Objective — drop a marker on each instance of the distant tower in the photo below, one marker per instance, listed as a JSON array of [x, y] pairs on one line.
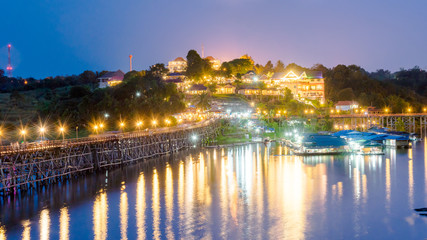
[[9, 64], [203, 51], [130, 62]]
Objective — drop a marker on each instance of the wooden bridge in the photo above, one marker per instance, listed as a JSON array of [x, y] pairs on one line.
[[410, 122], [34, 165]]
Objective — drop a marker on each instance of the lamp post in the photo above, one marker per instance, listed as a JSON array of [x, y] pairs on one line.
[[77, 131], [62, 131], [23, 133]]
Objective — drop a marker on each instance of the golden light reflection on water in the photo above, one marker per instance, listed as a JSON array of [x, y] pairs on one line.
[[124, 208], [410, 183], [26, 224], [100, 216], [2, 232], [387, 184], [64, 224], [242, 193], [44, 223], [169, 201], [156, 206], [140, 207]]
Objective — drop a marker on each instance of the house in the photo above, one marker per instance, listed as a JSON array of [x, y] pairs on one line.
[[249, 91], [111, 79], [227, 89], [177, 65], [180, 85], [197, 89], [175, 75], [346, 105], [270, 92], [216, 63], [303, 84]]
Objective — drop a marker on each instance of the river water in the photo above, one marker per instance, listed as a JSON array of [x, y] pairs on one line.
[[246, 192]]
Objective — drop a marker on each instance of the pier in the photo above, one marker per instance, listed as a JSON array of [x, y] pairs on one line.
[[412, 122], [37, 164]]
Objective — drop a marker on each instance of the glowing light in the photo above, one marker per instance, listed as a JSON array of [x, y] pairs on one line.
[[154, 122], [42, 130], [194, 137], [23, 132], [409, 109]]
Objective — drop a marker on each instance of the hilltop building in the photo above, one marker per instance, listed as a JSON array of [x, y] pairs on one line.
[[111, 79], [177, 65], [304, 85], [216, 63]]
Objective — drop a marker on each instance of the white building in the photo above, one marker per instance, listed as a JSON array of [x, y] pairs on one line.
[[111, 79], [177, 65]]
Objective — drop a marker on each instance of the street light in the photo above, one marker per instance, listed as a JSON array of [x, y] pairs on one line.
[[409, 109], [167, 121], [122, 125], [23, 133], [42, 130], [96, 128], [138, 124], [154, 122], [62, 131]]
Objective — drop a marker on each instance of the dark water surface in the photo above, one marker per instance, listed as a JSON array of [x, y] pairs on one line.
[[247, 192]]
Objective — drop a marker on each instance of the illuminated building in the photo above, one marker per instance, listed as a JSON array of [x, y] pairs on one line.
[[303, 85], [177, 65], [346, 105], [111, 79], [216, 63], [227, 89], [197, 89]]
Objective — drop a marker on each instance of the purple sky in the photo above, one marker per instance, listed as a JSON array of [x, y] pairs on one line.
[[57, 37]]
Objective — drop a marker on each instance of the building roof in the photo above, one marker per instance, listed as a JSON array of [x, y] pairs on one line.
[[175, 80], [179, 59], [304, 74], [198, 87], [176, 74], [113, 76], [346, 103]]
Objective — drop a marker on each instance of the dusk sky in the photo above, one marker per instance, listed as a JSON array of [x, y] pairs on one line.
[[57, 37]]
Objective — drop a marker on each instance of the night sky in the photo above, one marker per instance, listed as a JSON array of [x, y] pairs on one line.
[[64, 37]]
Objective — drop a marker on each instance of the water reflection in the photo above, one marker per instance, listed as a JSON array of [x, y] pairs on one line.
[[44, 224], [64, 221], [26, 232], [247, 192], [100, 216], [140, 207], [123, 213], [2, 232]]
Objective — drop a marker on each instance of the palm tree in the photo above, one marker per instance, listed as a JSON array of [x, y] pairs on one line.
[[204, 101]]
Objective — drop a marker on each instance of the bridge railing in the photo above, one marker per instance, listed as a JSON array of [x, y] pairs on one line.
[[379, 115], [99, 138]]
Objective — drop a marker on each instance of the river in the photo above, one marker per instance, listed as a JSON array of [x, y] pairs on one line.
[[245, 192]]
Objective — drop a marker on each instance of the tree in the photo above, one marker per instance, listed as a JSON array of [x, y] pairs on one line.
[[268, 68], [346, 94], [158, 70], [1, 72], [212, 88], [280, 67], [79, 92], [204, 101], [239, 66], [197, 68]]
